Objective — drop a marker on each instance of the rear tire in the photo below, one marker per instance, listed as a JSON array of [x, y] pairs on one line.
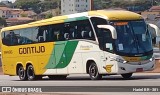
[[30, 73], [22, 73], [127, 76], [93, 72]]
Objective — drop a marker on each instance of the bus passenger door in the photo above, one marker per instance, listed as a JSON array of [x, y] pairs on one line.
[[105, 44]]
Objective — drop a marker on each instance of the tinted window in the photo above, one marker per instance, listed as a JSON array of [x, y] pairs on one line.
[[49, 33], [104, 36], [20, 37], [98, 21], [79, 30]]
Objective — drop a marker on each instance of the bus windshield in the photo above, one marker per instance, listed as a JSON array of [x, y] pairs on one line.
[[133, 38]]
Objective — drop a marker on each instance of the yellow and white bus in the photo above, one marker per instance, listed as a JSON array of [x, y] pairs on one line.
[[96, 43]]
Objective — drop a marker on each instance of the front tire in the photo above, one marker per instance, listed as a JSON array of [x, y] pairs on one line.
[[127, 76], [93, 72], [22, 73]]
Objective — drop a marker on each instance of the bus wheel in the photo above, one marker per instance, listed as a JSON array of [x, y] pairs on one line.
[[127, 76], [93, 72], [57, 77], [22, 73], [30, 73]]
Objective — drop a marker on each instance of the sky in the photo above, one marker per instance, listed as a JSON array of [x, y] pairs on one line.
[[8, 0], [12, 0]]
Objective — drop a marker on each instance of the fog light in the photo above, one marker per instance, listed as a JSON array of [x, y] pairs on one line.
[[122, 68]]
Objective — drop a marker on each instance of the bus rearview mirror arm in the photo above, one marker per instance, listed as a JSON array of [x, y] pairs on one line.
[[154, 30], [111, 28]]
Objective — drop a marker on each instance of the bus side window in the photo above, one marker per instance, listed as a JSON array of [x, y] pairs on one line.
[[72, 32], [78, 34], [49, 34], [57, 32], [98, 21], [12, 38], [56, 35], [66, 31], [40, 34], [6, 38], [85, 30], [26, 36], [45, 33], [87, 33], [84, 33]]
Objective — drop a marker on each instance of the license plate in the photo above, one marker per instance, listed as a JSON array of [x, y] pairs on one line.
[[139, 69]]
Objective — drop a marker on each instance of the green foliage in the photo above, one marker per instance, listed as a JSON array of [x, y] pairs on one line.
[[23, 15], [27, 4], [3, 22], [48, 4], [40, 6], [102, 4], [49, 15], [37, 5]]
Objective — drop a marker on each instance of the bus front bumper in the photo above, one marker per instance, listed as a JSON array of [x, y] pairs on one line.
[[123, 68]]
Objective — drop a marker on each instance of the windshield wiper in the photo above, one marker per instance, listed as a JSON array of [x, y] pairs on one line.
[[135, 40]]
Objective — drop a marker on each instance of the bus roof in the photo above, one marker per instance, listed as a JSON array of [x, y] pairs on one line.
[[116, 14], [108, 14]]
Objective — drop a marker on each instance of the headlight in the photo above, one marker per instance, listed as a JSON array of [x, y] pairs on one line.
[[118, 60], [121, 60], [151, 59]]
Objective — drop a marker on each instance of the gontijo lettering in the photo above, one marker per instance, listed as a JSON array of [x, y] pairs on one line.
[[31, 50]]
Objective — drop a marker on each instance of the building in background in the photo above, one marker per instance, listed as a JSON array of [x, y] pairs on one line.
[[75, 6], [6, 13], [16, 16], [18, 20], [7, 1]]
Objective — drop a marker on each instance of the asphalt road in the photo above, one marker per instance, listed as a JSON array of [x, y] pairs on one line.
[[138, 79]]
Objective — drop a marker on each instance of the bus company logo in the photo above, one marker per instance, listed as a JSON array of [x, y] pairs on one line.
[[108, 68], [8, 52], [87, 47], [6, 89]]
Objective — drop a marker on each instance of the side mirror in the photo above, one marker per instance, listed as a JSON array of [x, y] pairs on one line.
[[154, 30], [111, 28]]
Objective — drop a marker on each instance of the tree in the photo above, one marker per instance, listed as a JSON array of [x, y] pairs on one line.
[[48, 4], [49, 15], [23, 15], [3, 22], [27, 4], [37, 6], [103, 4]]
